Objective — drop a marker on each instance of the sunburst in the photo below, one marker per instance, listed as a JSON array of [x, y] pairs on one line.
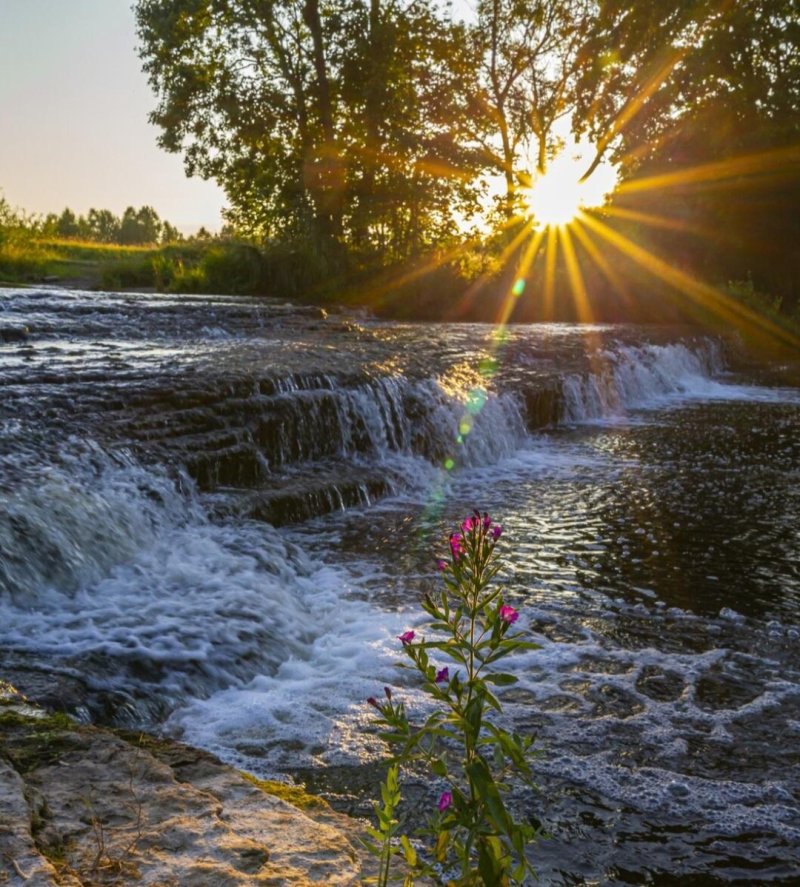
[[560, 192]]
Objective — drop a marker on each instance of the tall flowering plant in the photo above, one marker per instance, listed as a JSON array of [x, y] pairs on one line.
[[473, 832]]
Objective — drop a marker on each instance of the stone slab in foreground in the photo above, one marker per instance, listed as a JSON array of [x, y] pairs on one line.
[[84, 806]]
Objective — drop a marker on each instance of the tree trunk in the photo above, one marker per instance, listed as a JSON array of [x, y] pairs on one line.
[[327, 180]]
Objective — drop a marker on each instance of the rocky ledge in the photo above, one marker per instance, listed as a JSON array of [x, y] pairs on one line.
[[82, 805]]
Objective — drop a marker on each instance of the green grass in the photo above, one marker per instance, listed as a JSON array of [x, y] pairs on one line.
[[88, 250], [188, 267], [26, 259]]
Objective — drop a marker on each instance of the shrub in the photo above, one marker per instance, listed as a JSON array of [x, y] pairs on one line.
[[122, 273], [232, 268]]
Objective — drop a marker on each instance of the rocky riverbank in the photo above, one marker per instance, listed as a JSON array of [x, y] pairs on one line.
[[82, 805]]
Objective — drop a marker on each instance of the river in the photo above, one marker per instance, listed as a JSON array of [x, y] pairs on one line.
[[218, 513]]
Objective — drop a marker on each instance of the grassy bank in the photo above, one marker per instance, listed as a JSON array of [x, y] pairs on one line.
[[186, 267], [29, 260]]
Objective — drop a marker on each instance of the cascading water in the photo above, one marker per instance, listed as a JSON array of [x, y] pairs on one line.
[[641, 376], [216, 516]]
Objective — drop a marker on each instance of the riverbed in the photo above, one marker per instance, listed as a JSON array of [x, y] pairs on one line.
[[218, 513]]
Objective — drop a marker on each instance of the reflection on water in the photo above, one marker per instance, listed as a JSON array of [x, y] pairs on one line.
[[651, 507], [657, 562]]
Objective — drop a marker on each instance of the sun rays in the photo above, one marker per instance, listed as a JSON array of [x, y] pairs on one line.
[[556, 195], [566, 245], [568, 240], [572, 238]]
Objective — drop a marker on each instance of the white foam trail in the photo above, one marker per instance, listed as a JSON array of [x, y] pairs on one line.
[[312, 711], [212, 605]]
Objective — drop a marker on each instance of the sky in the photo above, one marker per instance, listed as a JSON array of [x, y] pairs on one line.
[[73, 117]]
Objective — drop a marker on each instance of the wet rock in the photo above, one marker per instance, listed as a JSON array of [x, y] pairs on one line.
[[560, 702], [575, 685], [614, 702], [659, 684], [717, 691], [14, 333], [594, 665], [543, 407], [518, 696], [83, 805], [308, 497]]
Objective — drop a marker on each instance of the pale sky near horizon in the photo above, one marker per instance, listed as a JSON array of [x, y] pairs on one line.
[[73, 117]]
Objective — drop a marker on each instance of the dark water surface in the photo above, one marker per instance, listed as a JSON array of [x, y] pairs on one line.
[[217, 514]]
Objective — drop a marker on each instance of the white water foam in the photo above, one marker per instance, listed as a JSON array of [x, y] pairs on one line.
[[65, 525], [648, 377], [312, 713], [312, 710]]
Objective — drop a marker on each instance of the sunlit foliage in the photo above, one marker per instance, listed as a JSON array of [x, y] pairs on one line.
[[336, 123]]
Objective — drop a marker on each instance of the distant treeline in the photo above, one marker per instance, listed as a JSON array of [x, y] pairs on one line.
[[135, 227]]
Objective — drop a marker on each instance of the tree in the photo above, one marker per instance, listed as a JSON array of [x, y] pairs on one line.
[[67, 224], [700, 103], [527, 54], [103, 225], [653, 71], [10, 217], [334, 123], [140, 226], [405, 88], [170, 234]]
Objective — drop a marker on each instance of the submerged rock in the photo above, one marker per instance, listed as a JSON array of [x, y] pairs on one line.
[[81, 805], [14, 333]]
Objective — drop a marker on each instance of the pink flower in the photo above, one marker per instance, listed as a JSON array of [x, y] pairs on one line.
[[442, 675], [445, 801], [487, 521], [497, 532], [468, 524], [406, 637], [456, 546], [508, 614], [441, 565]]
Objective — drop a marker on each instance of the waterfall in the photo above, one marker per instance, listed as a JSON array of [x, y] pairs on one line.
[[641, 376]]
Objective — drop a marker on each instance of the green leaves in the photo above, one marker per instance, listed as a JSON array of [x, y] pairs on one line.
[[328, 123], [459, 742], [387, 827], [500, 678]]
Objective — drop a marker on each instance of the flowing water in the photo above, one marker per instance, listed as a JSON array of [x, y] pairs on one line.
[[217, 514]]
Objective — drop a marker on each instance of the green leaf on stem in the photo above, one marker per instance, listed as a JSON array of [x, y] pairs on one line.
[[501, 679]]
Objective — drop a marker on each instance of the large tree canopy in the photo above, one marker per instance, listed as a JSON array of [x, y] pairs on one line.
[[368, 128], [321, 120], [653, 72], [699, 101]]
